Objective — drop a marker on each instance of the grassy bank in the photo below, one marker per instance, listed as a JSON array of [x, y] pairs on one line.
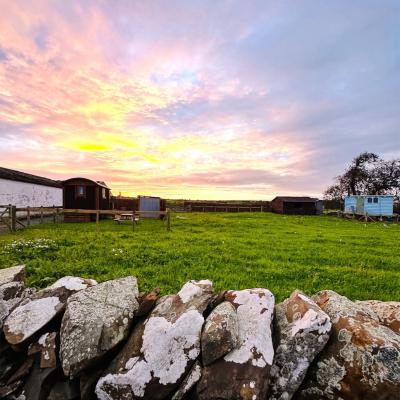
[[281, 253]]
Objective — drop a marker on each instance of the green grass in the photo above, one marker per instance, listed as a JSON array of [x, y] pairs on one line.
[[236, 251]]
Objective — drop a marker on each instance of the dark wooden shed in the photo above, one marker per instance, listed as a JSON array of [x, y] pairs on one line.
[[295, 205], [86, 194], [124, 203]]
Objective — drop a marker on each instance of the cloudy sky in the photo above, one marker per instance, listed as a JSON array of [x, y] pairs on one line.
[[216, 99]]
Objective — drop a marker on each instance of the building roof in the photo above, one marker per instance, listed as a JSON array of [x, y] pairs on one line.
[[292, 199], [99, 183], [13, 175], [370, 195]]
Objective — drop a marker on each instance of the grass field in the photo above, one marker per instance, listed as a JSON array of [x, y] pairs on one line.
[[281, 253]]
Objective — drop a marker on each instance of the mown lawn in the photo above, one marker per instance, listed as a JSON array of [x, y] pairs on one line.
[[281, 253]]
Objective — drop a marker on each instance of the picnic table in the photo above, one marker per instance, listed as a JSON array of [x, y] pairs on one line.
[[126, 217]]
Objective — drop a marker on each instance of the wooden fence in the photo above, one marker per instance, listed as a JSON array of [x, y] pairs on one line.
[[10, 219], [228, 208]]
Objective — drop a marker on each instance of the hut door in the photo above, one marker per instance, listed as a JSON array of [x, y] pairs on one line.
[[360, 205]]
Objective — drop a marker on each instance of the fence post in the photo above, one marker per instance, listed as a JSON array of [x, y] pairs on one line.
[[133, 221], [41, 214], [97, 219], [54, 214], [168, 219], [13, 212], [28, 215], [10, 216]]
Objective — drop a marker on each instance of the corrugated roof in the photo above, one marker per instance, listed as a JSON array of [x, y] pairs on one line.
[[13, 175], [296, 199], [101, 183]]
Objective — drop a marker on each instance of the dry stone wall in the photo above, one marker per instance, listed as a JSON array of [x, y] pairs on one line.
[[78, 339]]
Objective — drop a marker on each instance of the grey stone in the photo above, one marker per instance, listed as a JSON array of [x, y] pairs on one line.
[[12, 281], [10, 296], [220, 333], [13, 274], [95, 321], [301, 331], [30, 317], [32, 314], [162, 348]]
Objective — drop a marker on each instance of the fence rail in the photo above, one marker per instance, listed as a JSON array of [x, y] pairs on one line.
[[10, 219], [230, 208]]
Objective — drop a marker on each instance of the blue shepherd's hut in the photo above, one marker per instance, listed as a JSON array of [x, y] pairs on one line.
[[378, 205]]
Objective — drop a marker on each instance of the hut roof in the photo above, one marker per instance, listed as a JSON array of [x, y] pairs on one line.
[[13, 175], [98, 183]]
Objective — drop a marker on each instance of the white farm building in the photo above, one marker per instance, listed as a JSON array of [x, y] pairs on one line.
[[22, 190]]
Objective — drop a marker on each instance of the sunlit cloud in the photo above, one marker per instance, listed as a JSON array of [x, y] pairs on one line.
[[220, 100]]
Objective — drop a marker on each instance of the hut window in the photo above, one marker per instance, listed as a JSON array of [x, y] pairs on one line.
[[375, 200], [369, 199], [103, 193], [80, 191]]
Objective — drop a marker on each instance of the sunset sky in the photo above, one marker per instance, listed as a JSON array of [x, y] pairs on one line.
[[198, 99]]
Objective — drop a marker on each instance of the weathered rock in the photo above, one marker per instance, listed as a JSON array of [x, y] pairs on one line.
[[244, 372], [95, 321], [161, 349], [188, 383], [301, 331], [29, 318], [34, 313], [12, 281], [361, 359], [46, 346], [73, 283], [388, 312], [10, 296], [147, 302], [13, 274], [220, 333]]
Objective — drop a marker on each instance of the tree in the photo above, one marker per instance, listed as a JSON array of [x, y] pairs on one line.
[[367, 174]]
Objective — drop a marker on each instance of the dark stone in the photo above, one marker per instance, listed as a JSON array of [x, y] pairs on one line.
[[243, 373], [361, 359]]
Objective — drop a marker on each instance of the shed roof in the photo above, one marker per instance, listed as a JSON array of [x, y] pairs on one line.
[[13, 175], [293, 199]]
